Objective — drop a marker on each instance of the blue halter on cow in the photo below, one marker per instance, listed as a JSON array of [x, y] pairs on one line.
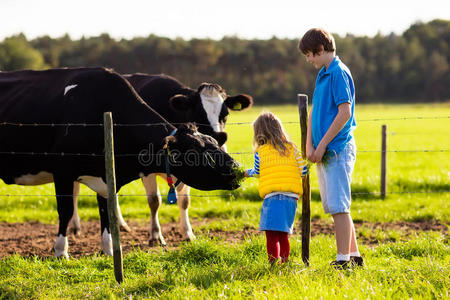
[[63, 154], [208, 107]]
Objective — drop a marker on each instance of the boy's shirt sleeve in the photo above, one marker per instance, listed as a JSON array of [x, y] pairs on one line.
[[302, 165], [254, 172], [340, 88]]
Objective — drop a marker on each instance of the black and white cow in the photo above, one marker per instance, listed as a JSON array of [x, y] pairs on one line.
[[32, 155], [208, 107]]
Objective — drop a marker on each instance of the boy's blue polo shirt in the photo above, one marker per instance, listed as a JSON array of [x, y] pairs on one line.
[[334, 86]]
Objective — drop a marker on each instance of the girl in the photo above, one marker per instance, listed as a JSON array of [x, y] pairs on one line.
[[280, 169]]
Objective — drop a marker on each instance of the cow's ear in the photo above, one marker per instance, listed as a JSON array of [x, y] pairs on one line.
[[221, 138], [239, 102], [180, 103]]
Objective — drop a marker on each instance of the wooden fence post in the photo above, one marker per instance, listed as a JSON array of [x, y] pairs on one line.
[[306, 197], [112, 196], [383, 184]]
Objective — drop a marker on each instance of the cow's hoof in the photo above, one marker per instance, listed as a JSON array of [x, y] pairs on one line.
[[60, 255], [190, 237], [75, 231], [75, 226], [125, 227], [106, 243], [63, 256], [157, 242], [61, 247], [106, 252]]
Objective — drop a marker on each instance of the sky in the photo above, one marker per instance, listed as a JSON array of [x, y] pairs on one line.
[[251, 19]]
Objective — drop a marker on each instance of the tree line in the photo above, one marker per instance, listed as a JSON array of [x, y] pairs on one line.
[[413, 66]]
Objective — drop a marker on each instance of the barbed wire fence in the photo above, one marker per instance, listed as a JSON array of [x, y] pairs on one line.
[[109, 157], [246, 156]]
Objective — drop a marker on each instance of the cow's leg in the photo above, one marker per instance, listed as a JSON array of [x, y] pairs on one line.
[[63, 189], [99, 186], [106, 239], [184, 200], [154, 201], [74, 224]]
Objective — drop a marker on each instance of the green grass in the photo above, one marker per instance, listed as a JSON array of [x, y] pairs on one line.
[[401, 266], [237, 212], [209, 269]]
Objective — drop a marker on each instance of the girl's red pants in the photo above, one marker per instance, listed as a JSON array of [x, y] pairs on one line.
[[277, 245]]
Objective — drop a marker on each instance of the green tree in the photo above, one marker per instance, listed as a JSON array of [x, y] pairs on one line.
[[16, 53], [408, 67], [51, 49]]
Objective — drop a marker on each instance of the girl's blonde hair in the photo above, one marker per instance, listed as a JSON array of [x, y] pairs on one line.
[[268, 129]]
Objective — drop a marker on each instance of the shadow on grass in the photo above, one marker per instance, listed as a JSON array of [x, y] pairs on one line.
[[253, 196], [399, 187], [422, 218], [425, 186]]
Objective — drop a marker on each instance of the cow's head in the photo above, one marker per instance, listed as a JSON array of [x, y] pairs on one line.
[[208, 108], [197, 160]]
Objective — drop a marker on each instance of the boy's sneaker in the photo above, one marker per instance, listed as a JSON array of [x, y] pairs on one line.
[[357, 261], [341, 264]]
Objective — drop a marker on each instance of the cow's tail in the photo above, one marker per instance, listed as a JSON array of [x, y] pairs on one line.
[[123, 225]]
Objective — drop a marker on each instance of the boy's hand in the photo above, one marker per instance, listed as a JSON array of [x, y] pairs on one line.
[[310, 152], [316, 155], [319, 153]]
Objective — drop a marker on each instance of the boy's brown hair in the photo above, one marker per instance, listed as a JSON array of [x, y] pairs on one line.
[[315, 37]]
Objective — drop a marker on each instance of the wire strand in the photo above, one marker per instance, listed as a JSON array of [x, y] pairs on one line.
[[200, 124], [229, 153], [215, 195]]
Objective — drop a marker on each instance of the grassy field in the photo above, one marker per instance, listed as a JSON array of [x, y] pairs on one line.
[[211, 270], [399, 267]]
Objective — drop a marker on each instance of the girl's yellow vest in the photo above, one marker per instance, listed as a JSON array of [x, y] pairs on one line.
[[278, 173]]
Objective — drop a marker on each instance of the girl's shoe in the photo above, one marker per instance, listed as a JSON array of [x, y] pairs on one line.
[[284, 260]]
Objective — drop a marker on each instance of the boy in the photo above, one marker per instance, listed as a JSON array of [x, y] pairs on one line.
[[330, 141]]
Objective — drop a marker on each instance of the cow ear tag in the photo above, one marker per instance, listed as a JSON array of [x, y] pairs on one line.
[[172, 196]]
